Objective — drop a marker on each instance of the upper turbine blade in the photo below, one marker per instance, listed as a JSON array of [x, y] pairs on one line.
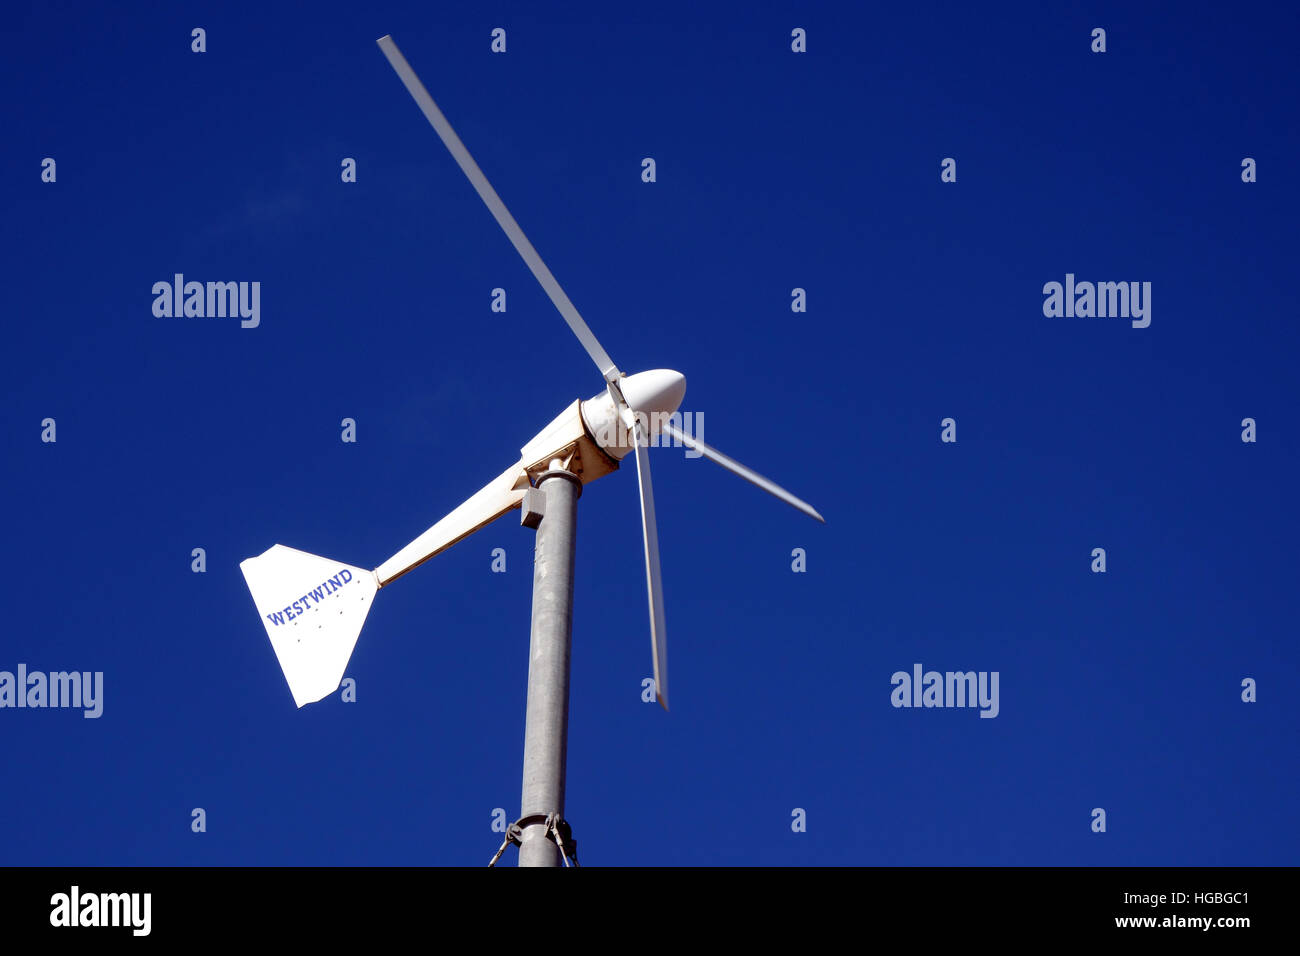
[[498, 209], [654, 583], [771, 487]]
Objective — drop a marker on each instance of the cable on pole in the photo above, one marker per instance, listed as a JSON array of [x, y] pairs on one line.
[[558, 832]]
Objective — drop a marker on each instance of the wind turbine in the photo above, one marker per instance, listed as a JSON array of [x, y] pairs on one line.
[[313, 608]]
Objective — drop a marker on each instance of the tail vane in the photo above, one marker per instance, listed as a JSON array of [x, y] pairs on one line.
[[313, 610]]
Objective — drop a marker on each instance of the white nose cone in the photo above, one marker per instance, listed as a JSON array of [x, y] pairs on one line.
[[653, 395], [659, 390]]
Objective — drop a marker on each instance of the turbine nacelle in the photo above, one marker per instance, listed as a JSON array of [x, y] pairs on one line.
[[653, 397]]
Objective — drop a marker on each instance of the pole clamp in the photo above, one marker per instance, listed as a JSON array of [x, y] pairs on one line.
[[560, 473], [558, 832]]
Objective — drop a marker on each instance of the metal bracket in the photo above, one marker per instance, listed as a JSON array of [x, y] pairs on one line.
[[559, 473], [558, 832]]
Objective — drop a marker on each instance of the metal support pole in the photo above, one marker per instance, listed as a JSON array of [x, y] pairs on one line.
[[547, 728]]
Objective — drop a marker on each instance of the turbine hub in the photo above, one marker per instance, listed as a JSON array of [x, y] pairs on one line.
[[654, 396]]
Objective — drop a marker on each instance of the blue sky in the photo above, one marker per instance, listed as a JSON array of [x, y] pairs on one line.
[[775, 170]]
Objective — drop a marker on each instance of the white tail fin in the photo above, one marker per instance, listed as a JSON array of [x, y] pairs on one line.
[[312, 609]]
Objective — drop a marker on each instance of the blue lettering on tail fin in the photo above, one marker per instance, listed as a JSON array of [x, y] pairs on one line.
[[317, 594], [275, 617]]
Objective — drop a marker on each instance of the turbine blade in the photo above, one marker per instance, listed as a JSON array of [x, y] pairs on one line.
[[654, 582], [753, 477], [498, 209]]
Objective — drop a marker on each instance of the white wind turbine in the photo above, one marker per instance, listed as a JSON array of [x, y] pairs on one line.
[[313, 608]]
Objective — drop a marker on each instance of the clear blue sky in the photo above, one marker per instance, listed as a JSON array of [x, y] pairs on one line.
[[775, 170]]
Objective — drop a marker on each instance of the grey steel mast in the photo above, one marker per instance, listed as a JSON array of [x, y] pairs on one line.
[[547, 722]]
